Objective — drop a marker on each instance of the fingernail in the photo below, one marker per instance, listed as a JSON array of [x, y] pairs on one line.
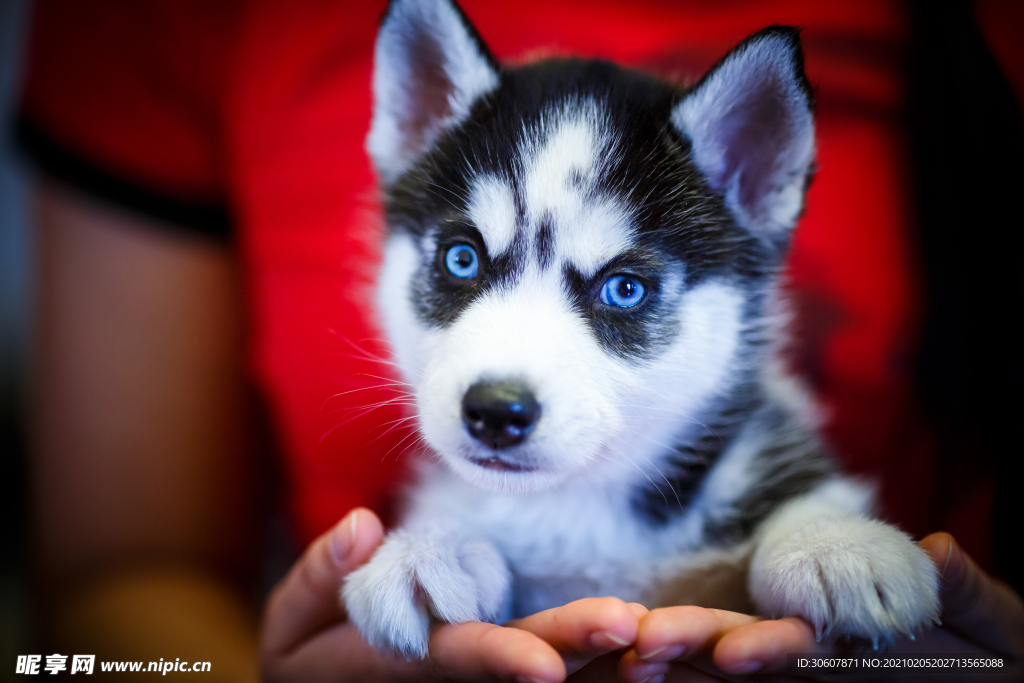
[[747, 667], [664, 654], [649, 672], [607, 641], [343, 535], [528, 679]]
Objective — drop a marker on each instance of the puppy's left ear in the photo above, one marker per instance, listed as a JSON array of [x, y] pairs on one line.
[[430, 66], [750, 124]]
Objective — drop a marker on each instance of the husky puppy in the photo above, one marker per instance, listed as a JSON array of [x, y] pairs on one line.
[[580, 285]]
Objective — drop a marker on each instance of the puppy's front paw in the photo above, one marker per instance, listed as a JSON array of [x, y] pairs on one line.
[[850, 577], [415, 576]]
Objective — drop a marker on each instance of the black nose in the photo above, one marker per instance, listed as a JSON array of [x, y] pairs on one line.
[[499, 414]]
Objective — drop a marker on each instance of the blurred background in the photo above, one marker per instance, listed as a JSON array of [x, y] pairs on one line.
[[14, 296]]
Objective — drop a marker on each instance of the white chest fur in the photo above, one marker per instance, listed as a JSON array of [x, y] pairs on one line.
[[584, 540]]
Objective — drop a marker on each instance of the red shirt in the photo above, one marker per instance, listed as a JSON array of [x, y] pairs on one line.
[[259, 110]]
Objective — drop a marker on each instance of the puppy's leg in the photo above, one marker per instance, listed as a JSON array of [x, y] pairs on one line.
[[418, 574], [821, 558]]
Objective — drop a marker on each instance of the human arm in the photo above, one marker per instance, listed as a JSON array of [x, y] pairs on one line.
[[143, 491]]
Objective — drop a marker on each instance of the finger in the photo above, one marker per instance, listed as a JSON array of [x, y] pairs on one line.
[[308, 598], [975, 604], [474, 651], [638, 610], [470, 651], [335, 654], [671, 633], [585, 629], [765, 645]]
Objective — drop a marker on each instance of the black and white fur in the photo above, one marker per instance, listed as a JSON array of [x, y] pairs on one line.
[[674, 461]]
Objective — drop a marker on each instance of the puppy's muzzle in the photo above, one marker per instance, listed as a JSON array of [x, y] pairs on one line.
[[500, 414]]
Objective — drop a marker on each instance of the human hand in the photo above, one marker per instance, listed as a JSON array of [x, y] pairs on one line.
[[981, 617], [306, 637]]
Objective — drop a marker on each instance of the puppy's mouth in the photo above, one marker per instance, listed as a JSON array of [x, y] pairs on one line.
[[497, 464]]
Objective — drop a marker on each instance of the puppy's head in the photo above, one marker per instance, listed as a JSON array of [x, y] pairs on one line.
[[580, 257]]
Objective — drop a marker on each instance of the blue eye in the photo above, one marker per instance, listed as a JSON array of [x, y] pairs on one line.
[[622, 291], [461, 261]]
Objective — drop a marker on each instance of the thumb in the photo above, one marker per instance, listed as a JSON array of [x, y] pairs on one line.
[[979, 607], [308, 598]]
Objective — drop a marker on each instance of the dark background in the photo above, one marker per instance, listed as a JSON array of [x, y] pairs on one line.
[[967, 145], [14, 279]]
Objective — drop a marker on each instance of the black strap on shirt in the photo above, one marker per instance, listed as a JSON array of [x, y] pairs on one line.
[[207, 219]]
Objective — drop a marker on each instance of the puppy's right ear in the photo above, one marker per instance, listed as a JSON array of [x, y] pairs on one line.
[[430, 66], [751, 127]]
